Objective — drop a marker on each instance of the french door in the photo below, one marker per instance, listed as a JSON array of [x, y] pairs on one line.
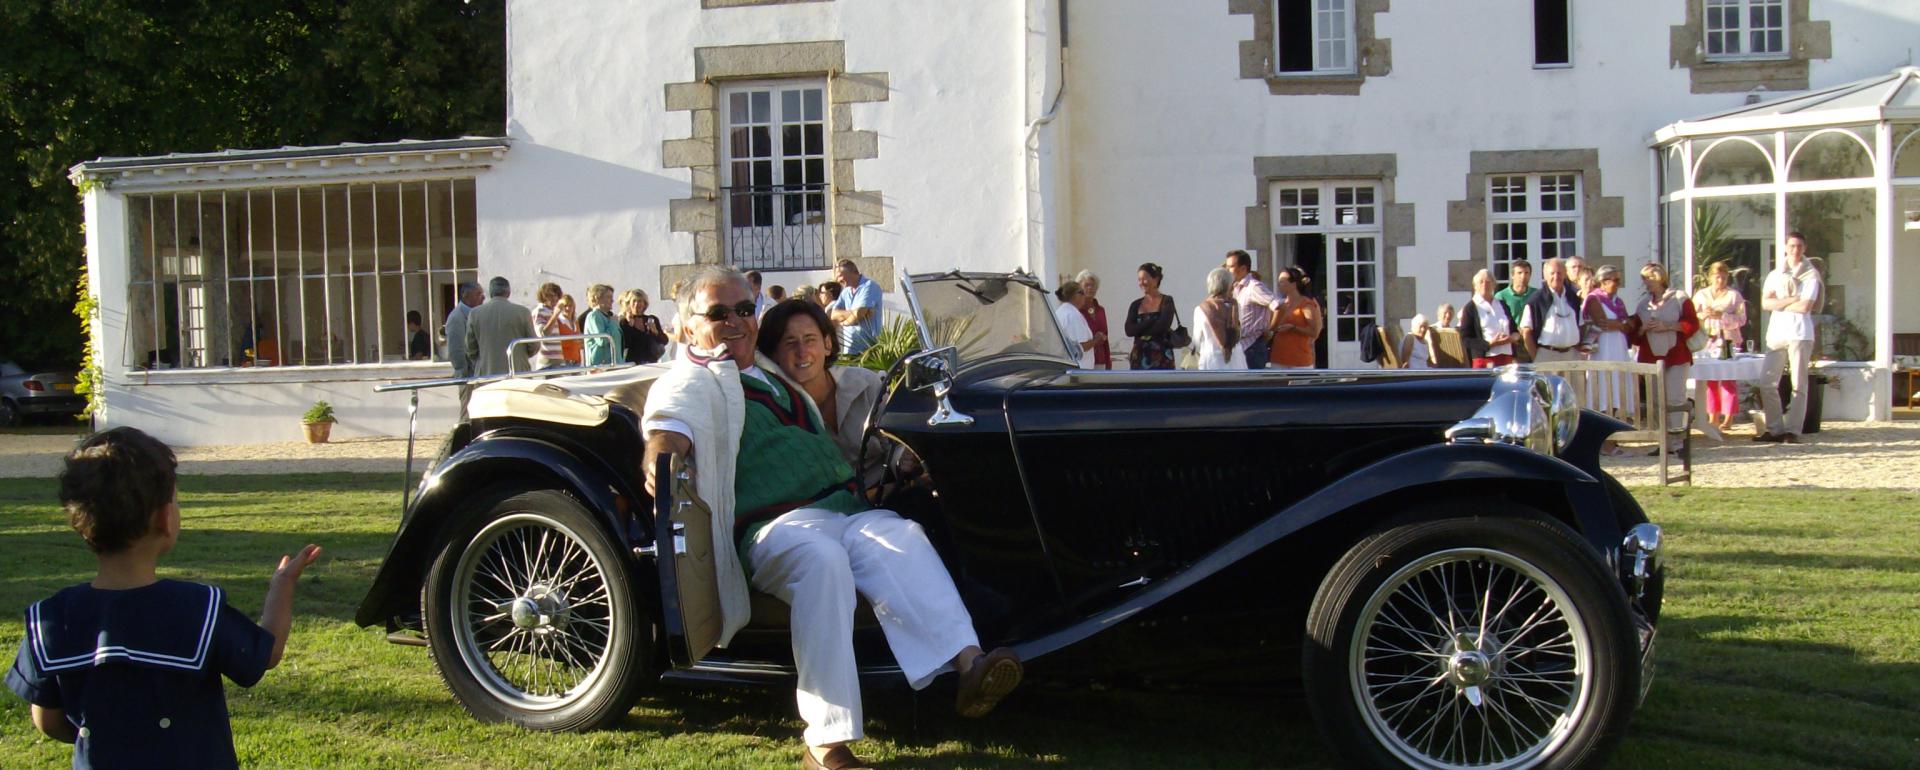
[[1331, 230]]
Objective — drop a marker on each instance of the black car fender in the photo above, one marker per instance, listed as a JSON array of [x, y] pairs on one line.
[[542, 461], [1422, 474]]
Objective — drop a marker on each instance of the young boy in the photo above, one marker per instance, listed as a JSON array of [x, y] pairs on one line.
[[127, 668]]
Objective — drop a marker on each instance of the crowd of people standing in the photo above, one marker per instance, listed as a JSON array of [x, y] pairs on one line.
[[483, 323]]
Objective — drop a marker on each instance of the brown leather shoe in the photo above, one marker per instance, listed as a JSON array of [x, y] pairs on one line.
[[838, 758], [1789, 438], [993, 676]]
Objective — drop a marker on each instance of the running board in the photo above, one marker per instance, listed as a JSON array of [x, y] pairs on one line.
[[723, 671]]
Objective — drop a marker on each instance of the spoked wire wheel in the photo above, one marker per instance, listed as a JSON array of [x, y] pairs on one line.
[[532, 618], [1466, 640], [537, 612]]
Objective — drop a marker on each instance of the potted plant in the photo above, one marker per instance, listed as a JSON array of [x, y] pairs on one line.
[[318, 421]]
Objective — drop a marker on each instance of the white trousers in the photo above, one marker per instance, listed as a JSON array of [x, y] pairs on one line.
[[1791, 357], [815, 561]]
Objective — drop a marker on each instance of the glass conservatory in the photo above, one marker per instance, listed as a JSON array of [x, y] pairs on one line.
[[1841, 166]]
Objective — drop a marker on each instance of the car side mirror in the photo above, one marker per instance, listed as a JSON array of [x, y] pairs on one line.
[[932, 370]]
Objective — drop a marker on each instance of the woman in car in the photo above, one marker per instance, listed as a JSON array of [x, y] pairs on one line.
[[797, 335]]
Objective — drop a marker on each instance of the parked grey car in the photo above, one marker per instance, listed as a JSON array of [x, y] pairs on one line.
[[24, 394]]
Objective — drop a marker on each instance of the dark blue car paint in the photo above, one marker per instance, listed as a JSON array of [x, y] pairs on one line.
[[507, 453]]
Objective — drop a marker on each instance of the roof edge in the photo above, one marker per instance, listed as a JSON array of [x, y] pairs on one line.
[[346, 149]]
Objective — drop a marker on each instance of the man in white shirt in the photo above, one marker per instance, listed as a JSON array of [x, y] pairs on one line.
[[1793, 292], [1256, 303], [1550, 320]]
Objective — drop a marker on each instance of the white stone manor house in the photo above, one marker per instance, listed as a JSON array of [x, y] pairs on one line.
[[1390, 147]]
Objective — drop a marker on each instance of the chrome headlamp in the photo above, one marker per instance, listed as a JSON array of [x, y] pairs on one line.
[[1537, 411]]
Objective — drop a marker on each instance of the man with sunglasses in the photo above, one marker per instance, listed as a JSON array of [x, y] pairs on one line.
[[778, 486]]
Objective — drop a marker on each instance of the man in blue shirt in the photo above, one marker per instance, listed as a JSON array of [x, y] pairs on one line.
[[857, 311]]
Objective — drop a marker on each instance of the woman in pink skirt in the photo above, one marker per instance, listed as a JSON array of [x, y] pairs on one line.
[[1724, 312]]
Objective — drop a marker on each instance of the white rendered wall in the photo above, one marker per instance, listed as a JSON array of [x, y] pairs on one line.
[[1165, 131], [583, 196]]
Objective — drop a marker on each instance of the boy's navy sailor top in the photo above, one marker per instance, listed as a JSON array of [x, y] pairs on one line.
[[137, 671]]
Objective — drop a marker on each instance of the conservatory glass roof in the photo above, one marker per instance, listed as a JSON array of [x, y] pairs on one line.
[[1893, 96]]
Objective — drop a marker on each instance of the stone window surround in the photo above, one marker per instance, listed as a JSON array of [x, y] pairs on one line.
[[1373, 56], [1470, 215], [1806, 40], [850, 209], [1397, 299]]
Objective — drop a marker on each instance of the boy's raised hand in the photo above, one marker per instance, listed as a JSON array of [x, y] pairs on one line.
[[291, 566]]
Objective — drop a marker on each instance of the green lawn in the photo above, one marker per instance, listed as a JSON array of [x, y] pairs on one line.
[[1791, 640]]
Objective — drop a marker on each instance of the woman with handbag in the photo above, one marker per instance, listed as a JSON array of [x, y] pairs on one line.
[[1151, 323], [1663, 325], [1296, 322]]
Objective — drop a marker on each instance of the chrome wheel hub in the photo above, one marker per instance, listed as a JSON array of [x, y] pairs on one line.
[[540, 609]]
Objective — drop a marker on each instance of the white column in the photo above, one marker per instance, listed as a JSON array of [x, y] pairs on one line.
[[1886, 220]]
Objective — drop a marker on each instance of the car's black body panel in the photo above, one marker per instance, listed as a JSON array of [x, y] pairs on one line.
[[572, 459], [1075, 501]]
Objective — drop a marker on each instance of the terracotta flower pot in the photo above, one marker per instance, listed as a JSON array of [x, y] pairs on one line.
[[317, 432]]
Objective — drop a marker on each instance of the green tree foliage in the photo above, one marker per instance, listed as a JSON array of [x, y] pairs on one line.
[[83, 79]]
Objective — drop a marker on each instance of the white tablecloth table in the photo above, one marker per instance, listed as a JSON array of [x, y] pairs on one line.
[[1748, 367], [1744, 368]]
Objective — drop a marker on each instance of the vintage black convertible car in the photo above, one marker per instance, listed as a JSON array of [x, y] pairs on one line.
[[1436, 556]]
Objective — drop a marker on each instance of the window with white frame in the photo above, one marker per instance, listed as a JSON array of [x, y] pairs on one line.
[[1335, 224], [311, 275], [774, 176], [1533, 217], [1313, 37], [1745, 29]]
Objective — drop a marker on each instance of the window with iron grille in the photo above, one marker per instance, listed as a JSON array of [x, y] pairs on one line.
[[1532, 217], [1745, 29], [774, 176], [312, 275], [1313, 37]]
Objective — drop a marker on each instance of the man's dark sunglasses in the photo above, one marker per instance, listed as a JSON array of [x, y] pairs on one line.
[[719, 313]]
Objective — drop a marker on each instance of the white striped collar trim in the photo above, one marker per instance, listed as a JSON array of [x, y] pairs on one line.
[[101, 655]]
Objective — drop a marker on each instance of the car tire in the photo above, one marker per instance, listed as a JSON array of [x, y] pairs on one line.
[[1531, 663], [9, 414], [531, 616]]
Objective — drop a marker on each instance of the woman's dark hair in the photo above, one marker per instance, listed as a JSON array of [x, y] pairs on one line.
[[773, 326], [832, 288], [113, 484], [1153, 271], [1298, 278]]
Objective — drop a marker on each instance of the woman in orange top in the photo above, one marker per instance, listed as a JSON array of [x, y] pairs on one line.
[[1296, 321]]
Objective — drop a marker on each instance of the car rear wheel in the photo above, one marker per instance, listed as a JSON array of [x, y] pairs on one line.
[[1463, 641], [531, 617], [9, 414]]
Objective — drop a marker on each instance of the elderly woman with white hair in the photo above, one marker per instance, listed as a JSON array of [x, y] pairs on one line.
[[1486, 327], [1216, 325], [1096, 314]]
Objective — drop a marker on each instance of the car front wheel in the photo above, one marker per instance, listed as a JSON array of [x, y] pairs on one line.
[[531, 618], [1471, 641]]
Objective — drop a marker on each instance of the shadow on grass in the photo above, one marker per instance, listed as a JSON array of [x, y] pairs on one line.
[[1830, 561]]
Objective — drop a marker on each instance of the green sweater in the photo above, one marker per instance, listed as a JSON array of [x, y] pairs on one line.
[[786, 461]]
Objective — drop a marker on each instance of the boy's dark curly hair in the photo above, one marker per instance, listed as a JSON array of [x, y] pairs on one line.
[[113, 484]]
